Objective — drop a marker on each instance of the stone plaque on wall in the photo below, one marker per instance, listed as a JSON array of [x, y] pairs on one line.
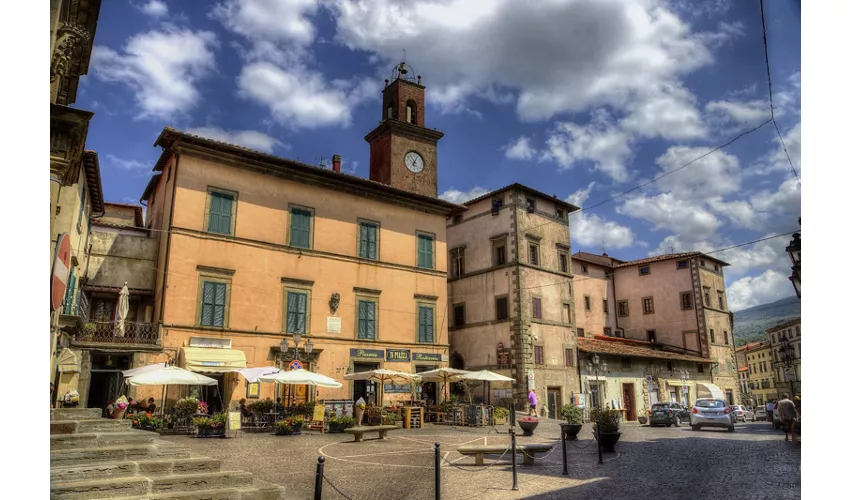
[[334, 324]]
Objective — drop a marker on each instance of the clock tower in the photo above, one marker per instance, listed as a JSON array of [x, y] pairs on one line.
[[402, 152]]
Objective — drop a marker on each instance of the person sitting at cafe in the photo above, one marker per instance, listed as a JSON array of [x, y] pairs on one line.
[[151, 406], [278, 406]]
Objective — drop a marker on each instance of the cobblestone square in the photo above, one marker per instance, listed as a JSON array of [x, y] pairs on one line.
[[671, 462]]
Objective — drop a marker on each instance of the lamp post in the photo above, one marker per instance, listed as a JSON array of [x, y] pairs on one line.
[[593, 364], [685, 376], [786, 356], [793, 250], [286, 356]]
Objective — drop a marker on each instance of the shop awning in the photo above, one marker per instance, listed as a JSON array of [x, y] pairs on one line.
[[213, 360], [68, 362], [706, 390], [676, 383]]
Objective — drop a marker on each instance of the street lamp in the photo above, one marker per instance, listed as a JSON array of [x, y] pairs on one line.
[[593, 364], [793, 250], [786, 356], [284, 348]]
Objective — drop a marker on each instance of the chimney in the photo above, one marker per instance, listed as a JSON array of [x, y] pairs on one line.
[[337, 161]]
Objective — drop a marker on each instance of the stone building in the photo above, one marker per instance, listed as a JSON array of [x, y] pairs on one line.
[[788, 361], [509, 288], [675, 301], [761, 380], [254, 249]]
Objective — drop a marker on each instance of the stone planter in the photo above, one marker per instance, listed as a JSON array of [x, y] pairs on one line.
[[296, 431], [608, 440], [571, 431], [528, 426], [204, 432], [643, 420]]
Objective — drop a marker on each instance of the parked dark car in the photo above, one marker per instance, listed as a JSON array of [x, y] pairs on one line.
[[668, 414]]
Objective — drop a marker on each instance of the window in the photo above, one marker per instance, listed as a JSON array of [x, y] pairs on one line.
[[496, 205], [460, 315], [568, 357], [300, 222], [367, 319], [536, 308], [623, 308], [584, 269], [501, 308], [568, 317], [564, 263], [726, 337], [457, 219], [700, 368], [711, 335], [580, 332], [702, 263], [425, 251], [530, 205], [648, 305], [687, 300], [720, 299], [643, 270], [213, 303], [457, 262], [538, 355], [411, 112], [533, 254], [587, 302], [669, 366], [626, 363], [368, 240], [559, 213], [681, 264], [716, 268], [650, 335], [605, 306], [707, 292], [296, 312], [220, 212], [426, 324], [500, 254], [606, 331]]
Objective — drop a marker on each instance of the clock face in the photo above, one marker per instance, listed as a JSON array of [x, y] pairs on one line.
[[414, 162]]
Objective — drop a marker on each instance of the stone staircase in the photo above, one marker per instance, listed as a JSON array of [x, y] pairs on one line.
[[93, 457]]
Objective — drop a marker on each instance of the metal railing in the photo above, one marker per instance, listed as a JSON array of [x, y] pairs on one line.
[[79, 307], [108, 332]]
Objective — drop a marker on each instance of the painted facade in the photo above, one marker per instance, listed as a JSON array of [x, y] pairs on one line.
[[760, 373], [510, 303], [788, 371]]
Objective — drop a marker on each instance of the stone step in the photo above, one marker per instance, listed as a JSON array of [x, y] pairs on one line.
[[100, 439], [109, 454], [271, 492], [90, 425], [75, 413], [129, 468], [144, 486]]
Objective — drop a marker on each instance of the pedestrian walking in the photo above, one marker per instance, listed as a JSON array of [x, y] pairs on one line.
[[768, 408], [532, 402], [788, 417]]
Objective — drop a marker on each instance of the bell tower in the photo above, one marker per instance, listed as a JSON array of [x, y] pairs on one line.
[[402, 152]]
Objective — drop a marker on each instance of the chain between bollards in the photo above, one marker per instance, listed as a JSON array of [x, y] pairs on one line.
[[437, 486], [320, 472]]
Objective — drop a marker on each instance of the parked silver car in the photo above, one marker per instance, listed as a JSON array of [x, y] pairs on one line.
[[742, 413], [712, 413], [761, 413]]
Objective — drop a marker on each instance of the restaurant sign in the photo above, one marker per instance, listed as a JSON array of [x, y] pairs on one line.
[[367, 353], [400, 355], [427, 356]]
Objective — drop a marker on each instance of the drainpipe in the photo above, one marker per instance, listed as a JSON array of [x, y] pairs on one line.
[[168, 239]]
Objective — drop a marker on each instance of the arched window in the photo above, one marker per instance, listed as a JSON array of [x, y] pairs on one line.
[[389, 112], [411, 112]]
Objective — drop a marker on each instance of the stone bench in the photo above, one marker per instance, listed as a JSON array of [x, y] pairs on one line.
[[382, 431], [530, 450]]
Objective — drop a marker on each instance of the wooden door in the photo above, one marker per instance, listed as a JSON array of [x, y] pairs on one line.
[[553, 401], [629, 401]]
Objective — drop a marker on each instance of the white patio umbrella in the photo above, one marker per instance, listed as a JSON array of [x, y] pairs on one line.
[[253, 374], [142, 369], [382, 376], [301, 377], [486, 376], [171, 375], [443, 375], [123, 310]]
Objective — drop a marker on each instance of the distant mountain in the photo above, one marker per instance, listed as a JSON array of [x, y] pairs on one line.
[[751, 323]]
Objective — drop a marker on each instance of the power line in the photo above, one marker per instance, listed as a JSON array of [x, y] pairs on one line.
[[770, 91]]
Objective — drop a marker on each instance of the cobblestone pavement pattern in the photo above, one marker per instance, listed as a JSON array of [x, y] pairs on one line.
[[670, 462]]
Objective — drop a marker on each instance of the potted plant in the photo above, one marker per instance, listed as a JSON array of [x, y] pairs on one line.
[[261, 406], [391, 419], [339, 424], [289, 426], [146, 422], [210, 426], [186, 406], [169, 421], [528, 424], [120, 407], [573, 417], [608, 424], [501, 415]]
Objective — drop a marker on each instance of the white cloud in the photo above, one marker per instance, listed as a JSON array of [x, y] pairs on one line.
[[251, 139], [676, 244], [762, 255], [521, 149], [665, 211], [669, 112], [270, 20], [715, 175], [163, 79], [128, 165], [762, 289], [740, 212], [627, 54], [298, 97], [726, 113], [579, 197], [594, 231], [600, 142], [784, 201], [456, 196], [154, 8]]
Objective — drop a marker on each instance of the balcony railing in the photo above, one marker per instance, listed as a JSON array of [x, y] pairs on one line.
[[107, 332]]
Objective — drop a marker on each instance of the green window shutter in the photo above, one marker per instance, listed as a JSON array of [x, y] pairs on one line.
[[368, 241], [426, 251], [221, 213], [299, 231], [220, 297], [213, 303], [296, 312], [426, 324], [302, 313], [69, 292], [366, 320]]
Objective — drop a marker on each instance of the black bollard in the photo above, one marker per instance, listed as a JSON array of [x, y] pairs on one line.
[[437, 470], [599, 444], [513, 460], [564, 448], [320, 472], [512, 417]]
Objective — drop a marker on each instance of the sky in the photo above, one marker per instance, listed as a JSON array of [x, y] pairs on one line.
[[583, 99]]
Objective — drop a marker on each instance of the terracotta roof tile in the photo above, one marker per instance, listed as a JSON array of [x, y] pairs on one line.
[[602, 260], [631, 348], [750, 346], [670, 256]]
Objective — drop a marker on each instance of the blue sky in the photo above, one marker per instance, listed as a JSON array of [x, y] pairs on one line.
[[580, 99]]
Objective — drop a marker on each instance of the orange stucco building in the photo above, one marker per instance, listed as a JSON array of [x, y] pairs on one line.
[[254, 248]]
